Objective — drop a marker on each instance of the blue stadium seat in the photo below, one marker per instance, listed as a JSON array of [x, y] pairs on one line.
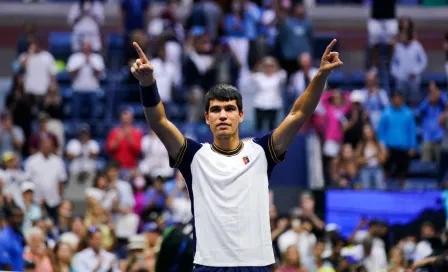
[[439, 78], [336, 79], [357, 79], [408, 2], [418, 168], [115, 41], [60, 44]]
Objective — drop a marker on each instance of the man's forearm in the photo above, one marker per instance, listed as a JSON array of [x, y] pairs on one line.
[[307, 102]]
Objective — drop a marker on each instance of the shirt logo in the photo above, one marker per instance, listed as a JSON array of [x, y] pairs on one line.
[[246, 160]]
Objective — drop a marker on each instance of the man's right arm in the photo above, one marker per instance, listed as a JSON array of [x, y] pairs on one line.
[[167, 132]]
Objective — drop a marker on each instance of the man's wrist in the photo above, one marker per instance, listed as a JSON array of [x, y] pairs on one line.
[[323, 73], [146, 84], [149, 95]]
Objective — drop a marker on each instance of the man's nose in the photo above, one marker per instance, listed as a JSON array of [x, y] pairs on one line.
[[223, 115]]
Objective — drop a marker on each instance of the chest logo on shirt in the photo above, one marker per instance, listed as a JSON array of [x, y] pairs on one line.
[[246, 160]]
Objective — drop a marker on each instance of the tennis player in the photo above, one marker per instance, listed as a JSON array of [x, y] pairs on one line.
[[228, 180]]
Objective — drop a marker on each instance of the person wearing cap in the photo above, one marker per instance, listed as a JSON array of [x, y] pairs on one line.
[[11, 136], [354, 120], [12, 176], [398, 132], [30, 209], [35, 139], [124, 141], [82, 152]]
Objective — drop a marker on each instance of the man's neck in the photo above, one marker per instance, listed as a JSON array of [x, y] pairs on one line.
[[227, 144]]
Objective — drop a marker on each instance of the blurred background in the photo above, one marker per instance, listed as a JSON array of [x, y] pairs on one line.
[[86, 185]]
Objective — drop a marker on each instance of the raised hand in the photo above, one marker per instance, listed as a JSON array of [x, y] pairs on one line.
[[142, 69], [330, 59]]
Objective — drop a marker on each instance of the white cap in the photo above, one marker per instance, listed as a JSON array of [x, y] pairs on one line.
[[27, 186], [71, 239], [332, 227], [357, 96]]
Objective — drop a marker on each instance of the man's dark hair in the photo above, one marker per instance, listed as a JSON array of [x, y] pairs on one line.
[[223, 92], [9, 209]]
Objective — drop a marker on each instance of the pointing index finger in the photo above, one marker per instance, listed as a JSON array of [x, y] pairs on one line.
[[330, 47], [140, 53]]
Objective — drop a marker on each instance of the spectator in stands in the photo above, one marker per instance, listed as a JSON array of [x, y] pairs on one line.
[[52, 105], [153, 239], [47, 171], [79, 229], [300, 235], [63, 254], [199, 74], [306, 209], [344, 168], [97, 218], [140, 37], [65, 210], [40, 70], [11, 240], [317, 262], [155, 200], [102, 192], [155, 157], [396, 260], [354, 120], [291, 261], [86, 18], [300, 80], [428, 243], [12, 137], [397, 131], [139, 185], [443, 165], [165, 74], [370, 255], [36, 138], [31, 210], [375, 99], [94, 257], [37, 251], [124, 142], [134, 19], [207, 14], [180, 206], [28, 35], [82, 152], [295, 37], [268, 81], [85, 69], [408, 63], [382, 27], [371, 155], [20, 105], [430, 110]]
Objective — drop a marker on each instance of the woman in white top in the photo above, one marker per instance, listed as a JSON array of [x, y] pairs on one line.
[[155, 157], [371, 156], [86, 18], [268, 99]]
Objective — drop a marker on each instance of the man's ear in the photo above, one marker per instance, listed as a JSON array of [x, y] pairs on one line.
[[241, 116], [206, 118]]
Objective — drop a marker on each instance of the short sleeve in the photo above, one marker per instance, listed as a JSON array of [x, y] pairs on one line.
[[74, 63], [74, 147], [94, 147], [186, 154], [266, 142]]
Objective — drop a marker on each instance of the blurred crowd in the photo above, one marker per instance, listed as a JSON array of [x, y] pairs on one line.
[[136, 202]]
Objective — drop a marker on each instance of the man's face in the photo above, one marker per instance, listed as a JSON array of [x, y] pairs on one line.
[[397, 101], [96, 240], [223, 117], [46, 145], [126, 117], [370, 80], [7, 122], [16, 219]]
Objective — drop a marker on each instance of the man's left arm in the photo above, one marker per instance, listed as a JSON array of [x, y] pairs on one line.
[[305, 105]]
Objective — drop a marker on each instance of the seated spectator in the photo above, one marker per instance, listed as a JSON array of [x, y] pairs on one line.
[[48, 173], [95, 257], [85, 69], [443, 165], [155, 156], [65, 210], [291, 261], [354, 120], [36, 138], [52, 105], [37, 251], [397, 131], [429, 242], [317, 262], [155, 201], [300, 80], [268, 102], [97, 218], [430, 110], [12, 137], [86, 18], [180, 207], [11, 240], [82, 152], [31, 210], [373, 258], [295, 37], [124, 142], [153, 239], [344, 168], [62, 257], [139, 186], [12, 177], [40, 70], [375, 99], [371, 155], [408, 63], [102, 192], [199, 75], [396, 260], [79, 229], [306, 209]]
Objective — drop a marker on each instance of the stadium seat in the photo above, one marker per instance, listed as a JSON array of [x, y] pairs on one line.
[[418, 168], [60, 44], [439, 78], [336, 79], [357, 79]]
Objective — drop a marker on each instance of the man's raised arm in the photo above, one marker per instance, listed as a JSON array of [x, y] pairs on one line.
[[305, 105], [154, 110]]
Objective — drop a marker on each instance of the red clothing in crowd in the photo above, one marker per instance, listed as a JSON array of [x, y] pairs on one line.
[[127, 151]]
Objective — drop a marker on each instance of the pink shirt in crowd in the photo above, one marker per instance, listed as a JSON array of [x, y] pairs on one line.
[[333, 130]]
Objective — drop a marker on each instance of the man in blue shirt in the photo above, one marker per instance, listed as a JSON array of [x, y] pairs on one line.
[[11, 240], [397, 131]]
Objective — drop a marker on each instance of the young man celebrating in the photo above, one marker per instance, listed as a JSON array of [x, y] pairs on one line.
[[227, 180]]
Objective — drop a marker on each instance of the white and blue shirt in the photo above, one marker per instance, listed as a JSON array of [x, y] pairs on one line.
[[230, 201]]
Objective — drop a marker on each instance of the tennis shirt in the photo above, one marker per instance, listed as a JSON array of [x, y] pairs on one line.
[[230, 201]]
